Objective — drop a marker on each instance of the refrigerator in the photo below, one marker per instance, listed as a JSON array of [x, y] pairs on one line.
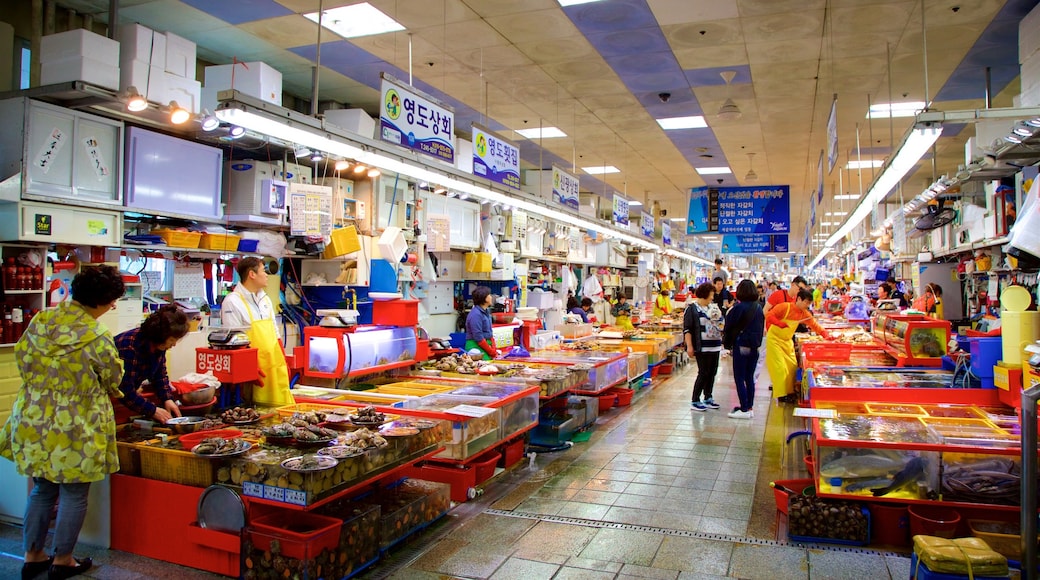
[[945, 276]]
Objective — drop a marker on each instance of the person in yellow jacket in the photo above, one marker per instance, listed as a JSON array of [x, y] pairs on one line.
[[662, 304], [622, 313], [781, 323]]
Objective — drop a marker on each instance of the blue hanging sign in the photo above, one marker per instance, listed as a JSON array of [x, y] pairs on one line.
[[754, 210], [754, 244], [565, 188], [495, 159], [646, 224], [415, 121]]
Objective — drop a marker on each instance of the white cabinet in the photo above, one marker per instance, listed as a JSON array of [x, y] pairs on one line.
[[611, 254], [464, 217], [61, 153], [46, 222], [394, 203]]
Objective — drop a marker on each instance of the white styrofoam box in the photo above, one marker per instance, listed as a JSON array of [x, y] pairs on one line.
[[1030, 71], [180, 56], [353, 120], [545, 339], [540, 300], [150, 81], [392, 245], [256, 79], [989, 132], [1029, 35], [142, 44], [187, 92], [1030, 97], [80, 69], [79, 43], [464, 155], [501, 275]]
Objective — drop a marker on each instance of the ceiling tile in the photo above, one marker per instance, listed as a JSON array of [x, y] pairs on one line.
[[287, 31], [629, 42], [801, 24], [171, 16], [492, 8], [574, 70], [225, 44], [592, 90], [614, 15], [494, 58], [704, 34], [462, 36], [415, 14], [784, 50], [865, 19], [239, 11], [682, 11], [761, 7], [309, 6], [534, 26], [715, 56], [857, 45], [557, 50]]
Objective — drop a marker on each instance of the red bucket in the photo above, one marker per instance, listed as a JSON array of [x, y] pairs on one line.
[[890, 524], [606, 401], [624, 396], [783, 488], [667, 368], [936, 521], [810, 465]]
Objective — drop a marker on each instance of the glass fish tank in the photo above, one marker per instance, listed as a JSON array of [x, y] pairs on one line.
[[335, 353], [470, 434], [913, 335], [859, 377], [607, 368], [880, 473], [876, 428], [982, 478]]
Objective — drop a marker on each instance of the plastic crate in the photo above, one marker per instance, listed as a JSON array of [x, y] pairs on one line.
[[342, 241], [1002, 537], [820, 540], [459, 478], [395, 313], [308, 533], [304, 550], [781, 493], [223, 242], [512, 453], [179, 239], [827, 351], [485, 465], [249, 246], [176, 466]]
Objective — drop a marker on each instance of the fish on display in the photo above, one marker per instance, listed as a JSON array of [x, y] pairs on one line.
[[909, 474], [860, 466], [867, 484]]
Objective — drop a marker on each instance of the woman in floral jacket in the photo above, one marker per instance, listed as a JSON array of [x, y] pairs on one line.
[[61, 431]]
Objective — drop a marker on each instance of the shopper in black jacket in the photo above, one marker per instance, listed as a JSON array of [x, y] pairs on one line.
[[743, 334]]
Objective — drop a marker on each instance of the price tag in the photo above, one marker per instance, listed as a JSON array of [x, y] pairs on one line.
[[295, 497], [274, 493], [817, 413], [251, 488], [470, 410]]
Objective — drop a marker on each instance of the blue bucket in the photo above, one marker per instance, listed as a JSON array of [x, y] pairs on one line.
[[384, 277], [985, 352]]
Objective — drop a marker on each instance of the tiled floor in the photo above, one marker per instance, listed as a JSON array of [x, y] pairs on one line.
[[659, 491]]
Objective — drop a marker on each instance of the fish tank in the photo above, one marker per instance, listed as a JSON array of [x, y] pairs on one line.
[[470, 434], [860, 377], [337, 352], [607, 368], [881, 473], [982, 478], [913, 336]]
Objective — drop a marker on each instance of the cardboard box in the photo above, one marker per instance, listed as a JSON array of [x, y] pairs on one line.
[[140, 43], [187, 92], [256, 79], [1029, 35], [180, 56], [150, 81], [80, 69], [353, 120], [79, 43]]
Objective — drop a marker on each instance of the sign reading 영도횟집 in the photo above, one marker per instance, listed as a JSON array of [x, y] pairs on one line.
[[565, 188], [495, 159], [646, 224], [755, 210], [412, 120], [666, 233], [620, 210], [754, 244]]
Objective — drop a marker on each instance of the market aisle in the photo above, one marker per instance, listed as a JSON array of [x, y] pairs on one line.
[[659, 491]]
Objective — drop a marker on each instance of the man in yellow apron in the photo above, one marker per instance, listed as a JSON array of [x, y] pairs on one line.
[[781, 324], [250, 307]]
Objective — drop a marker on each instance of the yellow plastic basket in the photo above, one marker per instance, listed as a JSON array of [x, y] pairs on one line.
[[223, 242], [179, 239], [175, 466]]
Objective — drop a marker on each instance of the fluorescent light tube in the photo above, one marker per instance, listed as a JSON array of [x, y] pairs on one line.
[[886, 110], [691, 122], [356, 20], [600, 169], [713, 170], [864, 164], [846, 197], [634, 203], [541, 133]]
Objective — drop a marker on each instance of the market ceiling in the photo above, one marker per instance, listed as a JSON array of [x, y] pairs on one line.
[[596, 70]]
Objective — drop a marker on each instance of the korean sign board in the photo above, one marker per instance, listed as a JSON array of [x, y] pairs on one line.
[[620, 210], [495, 159], [565, 188], [754, 244], [740, 210], [412, 120]]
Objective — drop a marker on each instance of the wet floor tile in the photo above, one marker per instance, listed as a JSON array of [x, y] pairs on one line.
[[898, 567], [627, 546], [633, 516], [733, 512], [540, 556], [556, 492], [585, 511], [519, 569], [568, 573], [725, 526], [543, 506], [473, 561], [635, 571], [593, 564], [673, 460], [654, 478], [593, 496], [676, 521], [727, 498], [768, 562], [687, 494], [605, 485], [826, 565], [556, 538], [694, 555], [661, 469], [694, 482], [734, 487], [647, 489], [643, 502], [613, 475]]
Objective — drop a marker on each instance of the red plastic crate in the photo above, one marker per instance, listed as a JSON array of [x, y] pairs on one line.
[[512, 453], [485, 465], [459, 477], [395, 312], [827, 351], [302, 535], [422, 350], [229, 366]]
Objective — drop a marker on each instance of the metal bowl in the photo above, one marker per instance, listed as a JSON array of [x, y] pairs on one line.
[[182, 425], [199, 396]]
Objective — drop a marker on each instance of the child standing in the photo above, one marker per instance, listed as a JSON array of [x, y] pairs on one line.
[[704, 343]]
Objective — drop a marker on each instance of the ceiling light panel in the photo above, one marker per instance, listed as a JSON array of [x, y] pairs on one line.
[[575, 2], [541, 133], [886, 110], [864, 164], [692, 122], [600, 169], [356, 20], [713, 170]]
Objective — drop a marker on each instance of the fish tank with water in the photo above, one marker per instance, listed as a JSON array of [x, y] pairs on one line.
[[913, 336], [335, 353], [877, 472], [859, 377]]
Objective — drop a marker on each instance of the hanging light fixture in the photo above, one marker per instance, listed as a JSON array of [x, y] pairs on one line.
[[178, 114], [729, 110], [135, 101], [208, 121], [373, 173], [236, 131], [359, 169], [316, 156], [751, 175], [341, 165]]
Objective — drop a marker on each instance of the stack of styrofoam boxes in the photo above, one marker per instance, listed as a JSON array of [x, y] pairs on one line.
[[353, 120], [79, 55], [161, 66], [142, 62], [1029, 58], [255, 79]]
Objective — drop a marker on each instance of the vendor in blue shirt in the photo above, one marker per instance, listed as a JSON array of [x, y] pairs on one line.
[[582, 310], [478, 325]]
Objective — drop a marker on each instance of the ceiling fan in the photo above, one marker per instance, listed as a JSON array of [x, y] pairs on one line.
[[937, 216]]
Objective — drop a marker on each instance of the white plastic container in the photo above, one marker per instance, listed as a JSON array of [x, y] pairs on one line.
[[80, 69], [256, 79], [79, 43], [392, 245], [353, 120]]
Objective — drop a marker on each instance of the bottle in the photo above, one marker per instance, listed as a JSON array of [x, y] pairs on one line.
[[37, 277], [17, 322], [10, 274], [6, 330]]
